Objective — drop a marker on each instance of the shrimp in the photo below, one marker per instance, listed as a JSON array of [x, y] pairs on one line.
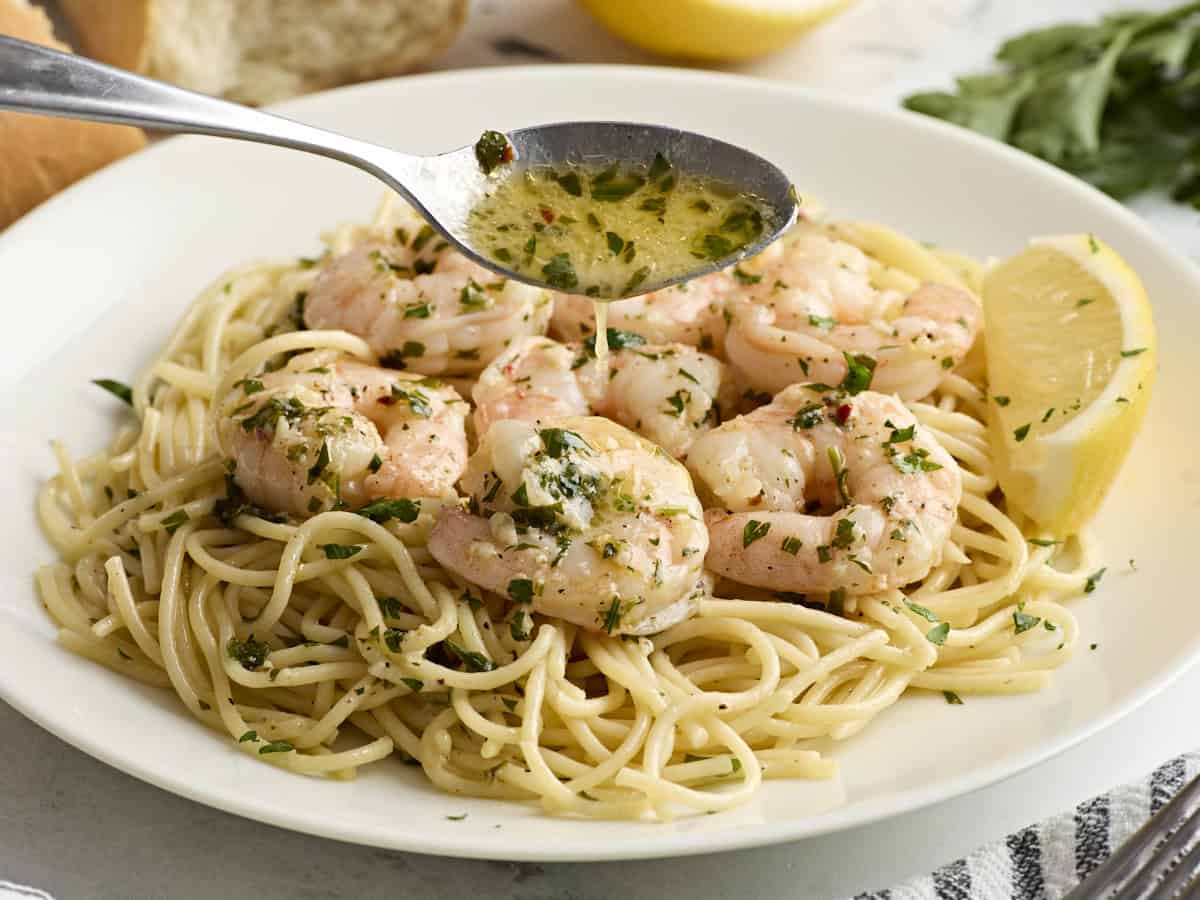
[[582, 520], [421, 305], [326, 431], [668, 393], [691, 313], [814, 304], [823, 491]]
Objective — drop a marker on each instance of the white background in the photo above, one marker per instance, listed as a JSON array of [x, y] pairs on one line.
[[71, 826]]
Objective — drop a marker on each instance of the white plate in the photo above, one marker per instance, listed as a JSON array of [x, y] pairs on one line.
[[93, 281]]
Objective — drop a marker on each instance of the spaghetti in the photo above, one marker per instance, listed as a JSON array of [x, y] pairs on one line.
[[323, 660]]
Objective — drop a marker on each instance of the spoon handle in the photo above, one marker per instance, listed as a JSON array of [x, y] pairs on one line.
[[37, 79]]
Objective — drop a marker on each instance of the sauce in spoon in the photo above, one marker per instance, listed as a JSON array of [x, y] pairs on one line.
[[605, 231]]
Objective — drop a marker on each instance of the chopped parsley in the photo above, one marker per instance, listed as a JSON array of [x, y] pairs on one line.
[[791, 545], [275, 747], [860, 370], [753, 531], [418, 401], [914, 462], [899, 435], [611, 185], [560, 273], [386, 508], [520, 626], [840, 475], [321, 464], [472, 661], [635, 280], [570, 183], [844, 536], [1021, 433], [118, 389], [808, 416], [472, 297], [923, 611], [250, 653], [952, 698], [558, 441], [1022, 621], [395, 359], [1093, 580], [612, 615], [617, 340], [677, 403], [491, 150], [340, 551], [937, 634], [520, 590], [172, 522]]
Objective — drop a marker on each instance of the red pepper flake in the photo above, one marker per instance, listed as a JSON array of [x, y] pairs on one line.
[[386, 400], [547, 215], [843, 413], [506, 155]]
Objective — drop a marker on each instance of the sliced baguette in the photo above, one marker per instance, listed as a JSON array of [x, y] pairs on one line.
[[261, 51], [41, 156]]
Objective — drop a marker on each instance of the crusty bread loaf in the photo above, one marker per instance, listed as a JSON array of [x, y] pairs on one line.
[[38, 155], [260, 51]]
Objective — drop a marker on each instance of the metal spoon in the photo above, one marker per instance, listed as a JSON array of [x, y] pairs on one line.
[[443, 188]]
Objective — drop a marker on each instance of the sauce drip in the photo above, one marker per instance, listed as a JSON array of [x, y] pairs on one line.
[[601, 334]]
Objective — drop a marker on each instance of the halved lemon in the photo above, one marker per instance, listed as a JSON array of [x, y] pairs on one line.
[[1071, 358], [723, 30]]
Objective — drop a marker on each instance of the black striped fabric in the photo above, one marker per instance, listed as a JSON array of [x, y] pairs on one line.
[[1046, 861]]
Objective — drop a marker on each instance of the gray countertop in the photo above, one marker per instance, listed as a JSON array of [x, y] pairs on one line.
[[80, 830]]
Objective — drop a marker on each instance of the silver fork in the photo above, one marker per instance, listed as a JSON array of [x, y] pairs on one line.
[[1160, 862]]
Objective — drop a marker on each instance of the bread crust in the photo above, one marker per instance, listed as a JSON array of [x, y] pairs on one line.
[[43, 155], [134, 34]]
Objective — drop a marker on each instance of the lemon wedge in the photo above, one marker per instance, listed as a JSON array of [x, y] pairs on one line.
[[720, 30], [1071, 357]]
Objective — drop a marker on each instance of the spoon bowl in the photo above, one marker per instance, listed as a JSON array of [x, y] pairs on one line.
[[444, 188]]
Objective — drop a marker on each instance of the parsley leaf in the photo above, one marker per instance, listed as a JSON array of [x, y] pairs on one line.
[[472, 661], [1022, 621], [119, 390], [520, 590], [753, 531], [386, 508], [923, 611], [1110, 101], [340, 551]]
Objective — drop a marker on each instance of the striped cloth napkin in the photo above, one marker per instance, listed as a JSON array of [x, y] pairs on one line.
[[1045, 861]]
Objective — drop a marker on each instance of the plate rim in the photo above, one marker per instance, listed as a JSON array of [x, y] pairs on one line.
[[669, 844]]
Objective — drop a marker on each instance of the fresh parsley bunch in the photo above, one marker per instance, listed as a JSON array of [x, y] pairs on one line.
[[1116, 103]]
